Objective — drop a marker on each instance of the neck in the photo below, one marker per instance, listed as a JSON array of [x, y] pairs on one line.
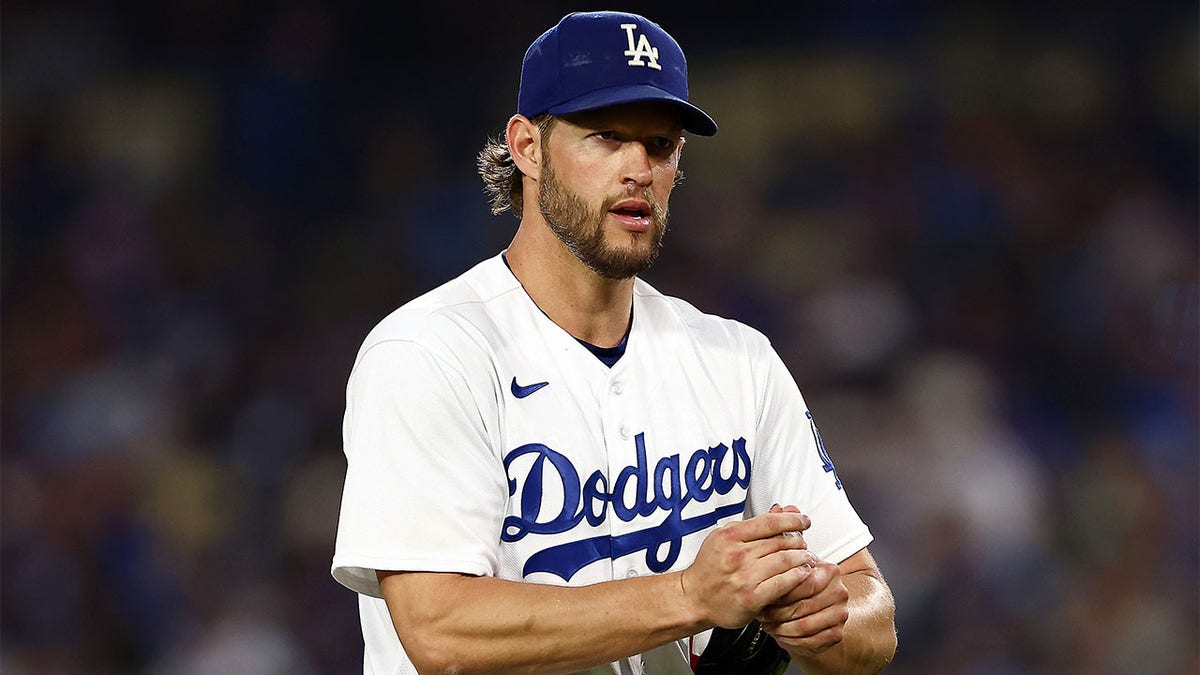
[[581, 302]]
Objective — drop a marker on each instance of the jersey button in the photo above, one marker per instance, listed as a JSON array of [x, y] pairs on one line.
[[631, 573], [624, 431], [616, 388]]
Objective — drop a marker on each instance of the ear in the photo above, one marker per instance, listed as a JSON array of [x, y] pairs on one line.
[[679, 161], [525, 145]]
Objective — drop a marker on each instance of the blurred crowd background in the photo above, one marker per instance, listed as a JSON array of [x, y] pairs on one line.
[[970, 229]]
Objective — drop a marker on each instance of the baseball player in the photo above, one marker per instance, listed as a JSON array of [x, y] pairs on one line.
[[553, 467]]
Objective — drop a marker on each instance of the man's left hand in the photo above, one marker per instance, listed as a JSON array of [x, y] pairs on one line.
[[812, 617]]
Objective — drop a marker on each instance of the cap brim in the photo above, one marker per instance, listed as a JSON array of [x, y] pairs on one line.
[[694, 119]]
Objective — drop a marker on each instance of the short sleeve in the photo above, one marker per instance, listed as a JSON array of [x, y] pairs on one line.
[[424, 490], [792, 466]]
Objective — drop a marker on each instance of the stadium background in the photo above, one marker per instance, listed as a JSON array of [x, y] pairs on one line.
[[969, 228]]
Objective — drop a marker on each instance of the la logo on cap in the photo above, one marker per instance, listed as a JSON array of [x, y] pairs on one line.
[[580, 64], [643, 48]]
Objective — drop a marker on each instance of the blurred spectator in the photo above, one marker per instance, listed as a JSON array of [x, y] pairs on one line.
[[970, 229]]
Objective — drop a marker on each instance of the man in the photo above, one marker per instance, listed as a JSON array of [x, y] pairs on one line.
[[554, 468]]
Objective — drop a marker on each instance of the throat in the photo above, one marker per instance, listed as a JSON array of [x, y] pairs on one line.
[[587, 306]]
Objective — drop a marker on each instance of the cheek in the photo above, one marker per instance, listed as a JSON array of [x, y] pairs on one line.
[[576, 182], [666, 167], [662, 189], [664, 174]]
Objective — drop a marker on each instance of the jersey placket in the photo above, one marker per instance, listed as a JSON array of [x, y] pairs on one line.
[[617, 412], [617, 418]]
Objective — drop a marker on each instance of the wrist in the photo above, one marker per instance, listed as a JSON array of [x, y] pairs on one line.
[[692, 612]]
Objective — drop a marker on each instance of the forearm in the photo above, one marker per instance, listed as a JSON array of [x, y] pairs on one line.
[[482, 624], [869, 638]]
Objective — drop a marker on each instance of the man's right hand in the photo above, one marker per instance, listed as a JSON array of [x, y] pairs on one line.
[[742, 567]]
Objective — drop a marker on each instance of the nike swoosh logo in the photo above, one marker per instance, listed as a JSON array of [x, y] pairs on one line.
[[523, 391]]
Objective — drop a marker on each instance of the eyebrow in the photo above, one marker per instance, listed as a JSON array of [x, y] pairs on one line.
[[594, 119]]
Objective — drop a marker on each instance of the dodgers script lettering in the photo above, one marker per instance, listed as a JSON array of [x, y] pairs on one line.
[[636, 492]]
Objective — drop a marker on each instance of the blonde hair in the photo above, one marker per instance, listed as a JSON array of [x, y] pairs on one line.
[[501, 178]]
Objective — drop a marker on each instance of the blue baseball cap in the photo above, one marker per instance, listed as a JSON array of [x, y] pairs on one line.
[[593, 60]]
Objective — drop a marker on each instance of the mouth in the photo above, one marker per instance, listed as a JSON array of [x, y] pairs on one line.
[[634, 215]]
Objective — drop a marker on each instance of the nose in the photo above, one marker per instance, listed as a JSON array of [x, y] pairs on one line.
[[636, 166]]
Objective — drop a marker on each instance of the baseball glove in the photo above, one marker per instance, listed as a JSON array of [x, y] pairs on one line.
[[742, 651]]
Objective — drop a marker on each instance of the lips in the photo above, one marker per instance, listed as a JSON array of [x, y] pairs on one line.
[[633, 214]]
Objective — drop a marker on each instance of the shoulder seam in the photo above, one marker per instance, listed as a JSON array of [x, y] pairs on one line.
[[416, 343]]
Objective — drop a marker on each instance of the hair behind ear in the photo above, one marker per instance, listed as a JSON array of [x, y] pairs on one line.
[[503, 177], [501, 180]]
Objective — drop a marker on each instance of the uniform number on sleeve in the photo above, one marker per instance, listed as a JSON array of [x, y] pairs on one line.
[[826, 463]]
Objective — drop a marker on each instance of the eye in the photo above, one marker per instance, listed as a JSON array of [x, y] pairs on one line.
[[606, 135], [663, 143]]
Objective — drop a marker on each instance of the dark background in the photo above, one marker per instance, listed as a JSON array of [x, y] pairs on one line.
[[970, 229]]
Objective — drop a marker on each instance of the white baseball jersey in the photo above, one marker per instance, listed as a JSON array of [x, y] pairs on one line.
[[483, 439]]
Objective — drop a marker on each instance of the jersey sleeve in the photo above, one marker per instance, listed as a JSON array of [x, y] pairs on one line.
[[424, 490], [792, 466]]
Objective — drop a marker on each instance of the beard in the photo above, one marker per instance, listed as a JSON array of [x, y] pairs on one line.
[[581, 230]]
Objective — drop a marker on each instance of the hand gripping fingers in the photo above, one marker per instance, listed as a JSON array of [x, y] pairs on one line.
[[762, 548], [815, 643], [817, 585], [769, 525], [736, 546], [813, 615], [783, 571], [735, 575], [806, 623], [814, 632]]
